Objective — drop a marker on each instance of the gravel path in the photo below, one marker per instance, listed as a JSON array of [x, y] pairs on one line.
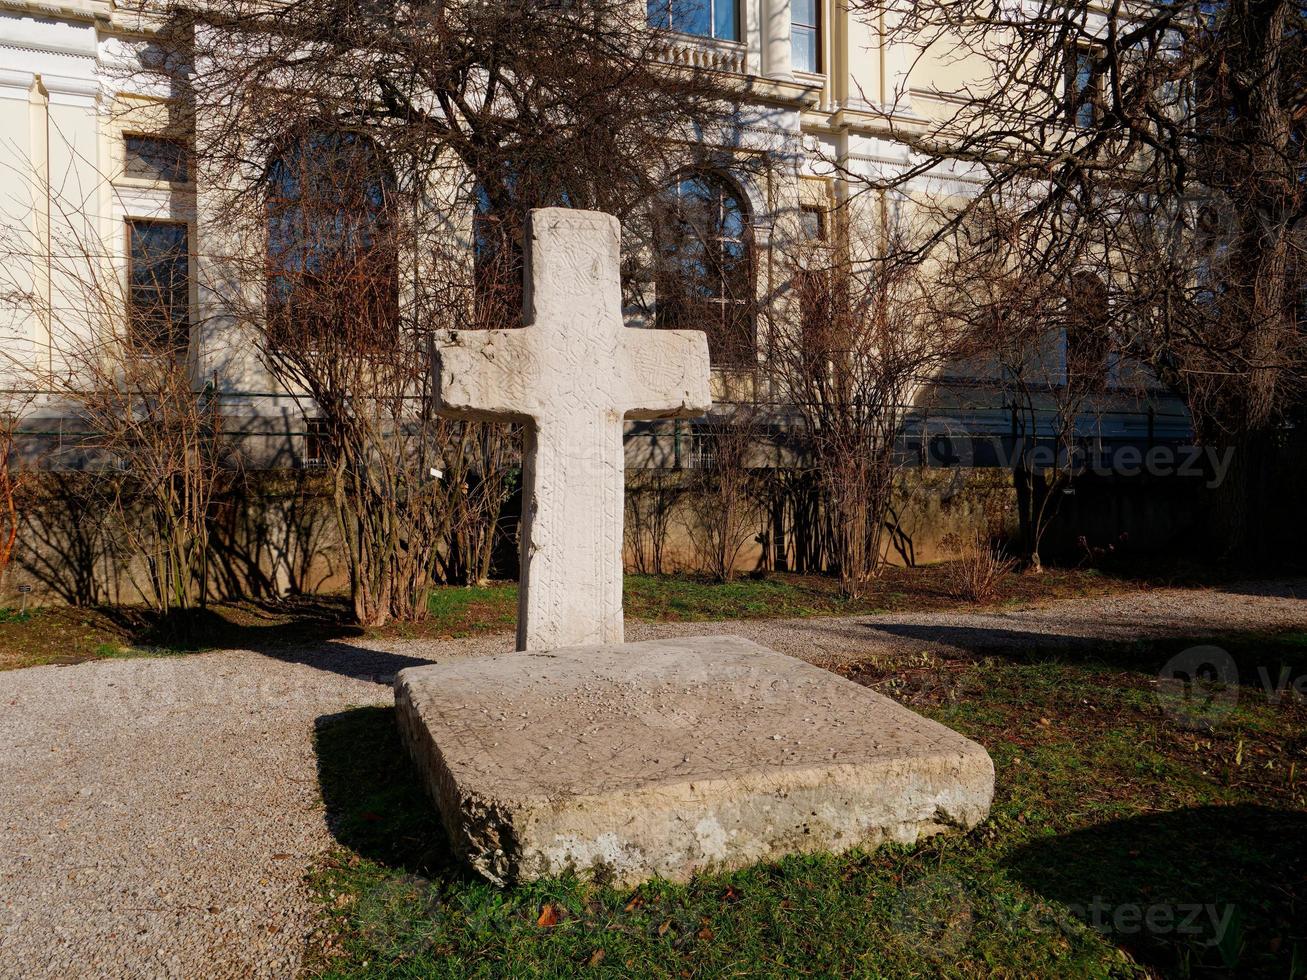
[[157, 816]]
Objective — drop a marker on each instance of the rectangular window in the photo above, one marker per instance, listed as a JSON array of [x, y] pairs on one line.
[[1082, 86], [157, 158], [317, 441], [159, 285], [814, 223], [706, 18], [805, 35]]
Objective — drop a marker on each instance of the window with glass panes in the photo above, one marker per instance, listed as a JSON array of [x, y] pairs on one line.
[[706, 18], [813, 218], [705, 266], [159, 284], [1081, 86], [805, 34], [332, 258], [156, 158], [1088, 331]]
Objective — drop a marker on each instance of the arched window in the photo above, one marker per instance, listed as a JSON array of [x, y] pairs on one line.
[[332, 263], [705, 266], [1088, 331]]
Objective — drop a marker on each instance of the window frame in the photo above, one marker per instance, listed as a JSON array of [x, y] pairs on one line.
[[816, 29], [317, 433], [823, 226], [666, 20], [729, 306], [133, 337], [1077, 98], [281, 316], [1087, 332], [187, 158]]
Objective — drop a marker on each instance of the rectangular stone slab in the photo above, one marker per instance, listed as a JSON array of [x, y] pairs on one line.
[[667, 757]]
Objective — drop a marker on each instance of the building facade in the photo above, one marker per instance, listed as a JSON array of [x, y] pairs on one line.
[[96, 184]]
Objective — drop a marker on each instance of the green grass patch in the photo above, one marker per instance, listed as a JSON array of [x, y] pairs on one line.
[[465, 610], [675, 598], [1120, 844], [66, 635]]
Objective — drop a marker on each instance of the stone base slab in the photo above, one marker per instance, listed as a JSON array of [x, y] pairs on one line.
[[668, 757]]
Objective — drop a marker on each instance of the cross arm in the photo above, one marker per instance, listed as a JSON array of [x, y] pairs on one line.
[[490, 375], [667, 374]]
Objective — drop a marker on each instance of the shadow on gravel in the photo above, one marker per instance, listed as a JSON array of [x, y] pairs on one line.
[[1275, 589], [347, 660], [315, 635], [1270, 665], [983, 638], [375, 803], [1208, 891]]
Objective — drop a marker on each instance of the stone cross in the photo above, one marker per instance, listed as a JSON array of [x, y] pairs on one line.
[[572, 376]]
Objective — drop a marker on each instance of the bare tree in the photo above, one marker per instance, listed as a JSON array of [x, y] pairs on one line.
[[1045, 334], [1132, 125], [117, 367], [507, 105], [852, 363], [383, 158], [13, 474]]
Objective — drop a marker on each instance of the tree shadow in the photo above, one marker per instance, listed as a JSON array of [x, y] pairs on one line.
[[1208, 891], [1264, 662], [375, 802], [308, 630]]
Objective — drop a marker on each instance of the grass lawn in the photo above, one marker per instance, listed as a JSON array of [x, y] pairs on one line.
[[1121, 843], [62, 635]]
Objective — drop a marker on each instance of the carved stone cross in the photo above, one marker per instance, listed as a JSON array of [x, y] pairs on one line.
[[572, 376]]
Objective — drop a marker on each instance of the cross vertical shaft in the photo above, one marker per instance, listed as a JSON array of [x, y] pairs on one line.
[[571, 377], [581, 602]]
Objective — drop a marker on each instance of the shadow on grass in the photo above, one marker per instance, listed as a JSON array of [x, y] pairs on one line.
[[375, 802], [1209, 891], [1264, 661]]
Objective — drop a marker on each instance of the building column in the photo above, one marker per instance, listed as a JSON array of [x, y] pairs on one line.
[[25, 214], [777, 52], [898, 59]]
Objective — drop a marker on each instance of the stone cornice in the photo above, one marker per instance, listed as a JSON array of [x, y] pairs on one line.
[[96, 11]]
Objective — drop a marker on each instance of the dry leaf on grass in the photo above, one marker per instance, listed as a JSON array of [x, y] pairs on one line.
[[548, 916]]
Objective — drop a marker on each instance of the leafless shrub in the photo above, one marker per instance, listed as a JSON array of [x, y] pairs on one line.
[[118, 368], [978, 571], [12, 477], [860, 348], [652, 498], [725, 492]]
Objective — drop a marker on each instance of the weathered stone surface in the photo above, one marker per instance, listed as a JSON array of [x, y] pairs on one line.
[[572, 376], [666, 757]]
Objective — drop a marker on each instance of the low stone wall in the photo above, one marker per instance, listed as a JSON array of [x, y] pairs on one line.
[[276, 534], [272, 535], [935, 507]]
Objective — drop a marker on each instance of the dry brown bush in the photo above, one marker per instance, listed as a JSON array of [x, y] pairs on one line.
[[977, 573]]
